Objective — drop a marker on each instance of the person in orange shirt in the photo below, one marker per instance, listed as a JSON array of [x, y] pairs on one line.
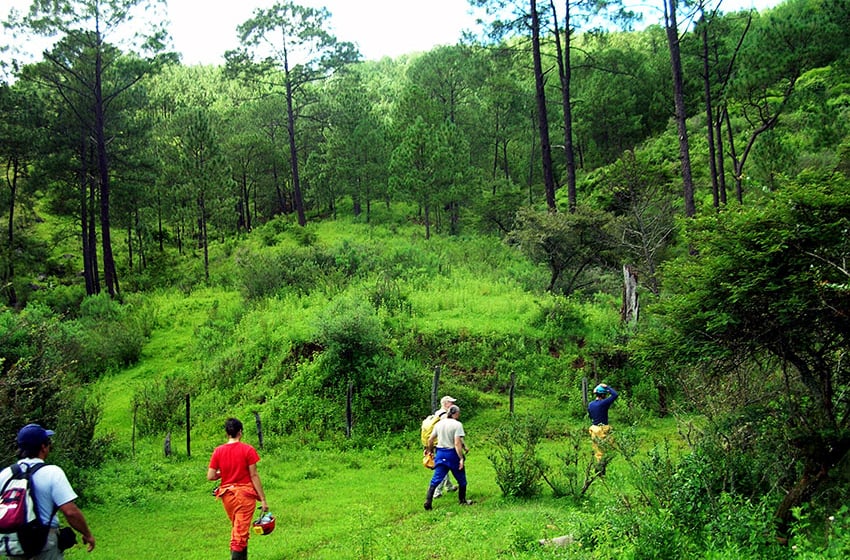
[[235, 463]]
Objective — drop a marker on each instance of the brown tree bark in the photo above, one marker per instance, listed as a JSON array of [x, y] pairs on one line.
[[542, 117], [672, 29], [565, 73]]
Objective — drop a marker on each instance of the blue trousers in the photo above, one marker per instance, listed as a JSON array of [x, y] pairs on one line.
[[445, 460]]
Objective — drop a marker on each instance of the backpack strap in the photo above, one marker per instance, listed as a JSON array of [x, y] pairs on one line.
[[31, 470], [15, 472]]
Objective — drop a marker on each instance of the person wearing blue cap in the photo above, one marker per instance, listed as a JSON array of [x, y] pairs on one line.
[[52, 490], [597, 409]]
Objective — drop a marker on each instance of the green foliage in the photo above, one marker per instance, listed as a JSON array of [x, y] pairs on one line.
[[159, 406], [79, 449], [36, 386], [106, 336], [571, 476], [389, 295], [34, 371], [654, 540], [826, 538], [518, 467], [64, 300], [351, 334], [560, 320], [569, 244]]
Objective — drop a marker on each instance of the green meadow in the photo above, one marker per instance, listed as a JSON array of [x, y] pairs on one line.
[[295, 321], [359, 497]]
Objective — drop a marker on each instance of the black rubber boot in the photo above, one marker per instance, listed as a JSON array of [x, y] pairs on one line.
[[429, 497], [239, 554], [461, 496]]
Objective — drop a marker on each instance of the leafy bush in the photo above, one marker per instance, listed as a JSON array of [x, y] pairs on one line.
[[34, 370], [826, 539], [302, 270], [159, 405], [572, 476], [518, 468], [388, 294], [35, 387], [561, 319], [63, 299], [655, 538], [78, 449], [107, 335], [351, 333]]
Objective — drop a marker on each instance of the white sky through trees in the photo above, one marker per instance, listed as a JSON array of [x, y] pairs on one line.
[[202, 30]]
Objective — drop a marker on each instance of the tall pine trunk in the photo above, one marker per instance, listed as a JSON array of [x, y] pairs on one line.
[[679, 99], [542, 117]]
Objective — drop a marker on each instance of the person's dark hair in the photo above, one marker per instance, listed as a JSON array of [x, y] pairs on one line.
[[452, 411], [232, 426], [29, 452]]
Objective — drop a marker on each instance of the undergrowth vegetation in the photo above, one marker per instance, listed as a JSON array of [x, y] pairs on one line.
[[329, 339]]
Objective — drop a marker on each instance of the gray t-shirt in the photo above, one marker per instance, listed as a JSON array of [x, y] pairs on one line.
[[447, 429]]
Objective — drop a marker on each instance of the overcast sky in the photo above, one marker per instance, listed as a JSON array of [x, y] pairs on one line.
[[202, 30]]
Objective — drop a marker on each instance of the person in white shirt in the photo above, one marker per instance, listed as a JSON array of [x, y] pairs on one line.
[[52, 490], [448, 439], [446, 485]]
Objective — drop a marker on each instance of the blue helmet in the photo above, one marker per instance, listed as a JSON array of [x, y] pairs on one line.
[[600, 390]]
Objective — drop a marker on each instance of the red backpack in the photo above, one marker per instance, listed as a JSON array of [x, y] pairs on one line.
[[21, 529]]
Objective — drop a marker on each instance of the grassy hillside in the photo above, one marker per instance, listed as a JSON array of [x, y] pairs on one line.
[[360, 498], [291, 315], [470, 306]]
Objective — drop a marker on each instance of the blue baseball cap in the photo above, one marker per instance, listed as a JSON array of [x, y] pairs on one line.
[[32, 436]]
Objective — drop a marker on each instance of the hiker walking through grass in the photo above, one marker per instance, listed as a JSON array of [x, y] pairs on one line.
[[446, 485], [598, 411], [447, 440], [51, 490], [235, 463]]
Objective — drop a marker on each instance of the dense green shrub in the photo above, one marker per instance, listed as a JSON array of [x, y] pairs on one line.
[[561, 319], [159, 405], [821, 539], [78, 448], [63, 299], [269, 272], [33, 370], [300, 270], [390, 295], [572, 474], [655, 538], [386, 399], [519, 469], [107, 335], [35, 386]]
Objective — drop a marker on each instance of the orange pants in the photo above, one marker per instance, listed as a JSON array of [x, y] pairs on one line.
[[239, 501], [597, 434]]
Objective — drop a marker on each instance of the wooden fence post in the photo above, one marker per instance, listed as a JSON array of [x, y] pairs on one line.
[[348, 414], [584, 391], [259, 429], [435, 388], [188, 429], [512, 391], [133, 437]]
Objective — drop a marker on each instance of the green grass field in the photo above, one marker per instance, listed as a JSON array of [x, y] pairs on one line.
[[333, 503], [334, 500]]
